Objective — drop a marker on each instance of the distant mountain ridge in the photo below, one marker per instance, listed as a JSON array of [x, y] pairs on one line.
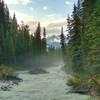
[[54, 41]]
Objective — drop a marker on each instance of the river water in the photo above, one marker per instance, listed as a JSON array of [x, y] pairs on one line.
[[50, 86]]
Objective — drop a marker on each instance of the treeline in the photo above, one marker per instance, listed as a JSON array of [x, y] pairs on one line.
[[83, 48], [16, 42], [84, 37]]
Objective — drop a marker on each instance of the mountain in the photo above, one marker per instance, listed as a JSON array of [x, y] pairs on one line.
[[54, 41]]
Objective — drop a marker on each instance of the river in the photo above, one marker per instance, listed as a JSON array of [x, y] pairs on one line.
[[50, 86]]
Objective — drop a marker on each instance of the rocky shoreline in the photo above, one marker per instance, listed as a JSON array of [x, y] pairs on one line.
[[81, 89], [7, 83]]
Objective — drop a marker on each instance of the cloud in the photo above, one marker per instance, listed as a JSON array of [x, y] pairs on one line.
[[32, 25], [23, 2], [57, 23], [22, 16], [51, 15], [45, 8], [31, 8], [53, 31], [67, 2], [52, 18], [56, 30], [26, 18], [54, 26]]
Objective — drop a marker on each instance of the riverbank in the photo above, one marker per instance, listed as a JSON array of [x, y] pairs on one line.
[[8, 82], [85, 86], [49, 86]]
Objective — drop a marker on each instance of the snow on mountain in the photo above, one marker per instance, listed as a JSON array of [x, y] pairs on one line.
[[54, 41]]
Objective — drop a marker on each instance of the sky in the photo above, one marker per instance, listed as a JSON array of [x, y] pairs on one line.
[[52, 14]]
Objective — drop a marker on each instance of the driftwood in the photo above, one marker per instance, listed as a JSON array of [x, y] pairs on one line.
[[94, 93], [97, 83]]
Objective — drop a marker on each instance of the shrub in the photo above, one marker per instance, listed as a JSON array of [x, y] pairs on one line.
[[76, 81], [6, 71]]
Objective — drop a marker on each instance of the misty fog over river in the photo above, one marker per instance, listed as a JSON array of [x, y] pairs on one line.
[[49, 86]]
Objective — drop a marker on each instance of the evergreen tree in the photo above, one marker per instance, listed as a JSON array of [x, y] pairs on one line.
[[44, 41], [16, 42], [62, 42], [62, 38], [4, 28], [44, 33], [75, 41], [38, 32], [38, 39], [84, 41], [91, 35]]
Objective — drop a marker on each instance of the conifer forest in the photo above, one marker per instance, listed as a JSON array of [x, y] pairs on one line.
[[50, 50]]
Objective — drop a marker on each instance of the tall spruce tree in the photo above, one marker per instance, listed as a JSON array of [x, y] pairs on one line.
[[63, 46], [38, 39], [84, 41], [38, 32], [4, 29], [91, 36], [62, 37], [75, 41], [44, 41]]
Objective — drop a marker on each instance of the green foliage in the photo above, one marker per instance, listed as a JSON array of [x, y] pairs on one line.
[[76, 81], [43, 42], [16, 42], [73, 82], [94, 81], [74, 45], [84, 43], [62, 39], [6, 71]]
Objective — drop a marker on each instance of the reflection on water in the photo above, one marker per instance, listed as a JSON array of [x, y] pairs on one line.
[[50, 86]]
